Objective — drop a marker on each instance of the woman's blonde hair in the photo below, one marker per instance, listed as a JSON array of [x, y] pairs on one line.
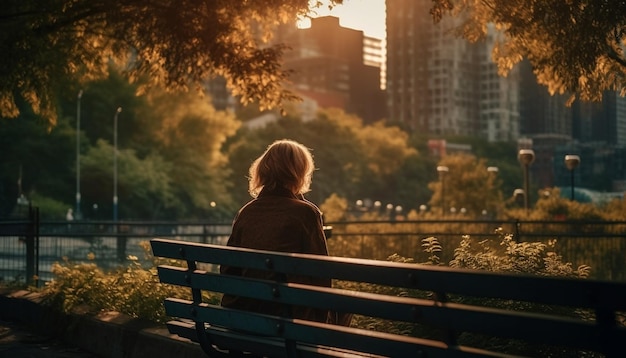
[[285, 163]]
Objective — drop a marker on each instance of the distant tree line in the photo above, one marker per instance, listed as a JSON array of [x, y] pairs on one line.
[[179, 158]]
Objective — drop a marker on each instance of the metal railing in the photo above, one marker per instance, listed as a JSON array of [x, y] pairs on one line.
[[598, 244], [29, 247]]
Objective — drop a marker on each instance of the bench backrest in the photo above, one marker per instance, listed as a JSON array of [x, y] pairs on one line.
[[576, 314]]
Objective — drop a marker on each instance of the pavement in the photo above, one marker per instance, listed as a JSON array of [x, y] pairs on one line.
[[16, 341], [29, 329]]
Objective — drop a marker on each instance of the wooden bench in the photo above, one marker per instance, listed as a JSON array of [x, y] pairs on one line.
[[574, 314]]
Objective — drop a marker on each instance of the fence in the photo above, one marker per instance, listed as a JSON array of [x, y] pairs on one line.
[[598, 244], [18, 248], [28, 247]]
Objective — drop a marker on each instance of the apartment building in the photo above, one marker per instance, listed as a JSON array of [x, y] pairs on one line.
[[601, 121], [441, 84], [336, 67]]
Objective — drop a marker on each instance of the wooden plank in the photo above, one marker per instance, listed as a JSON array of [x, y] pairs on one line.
[[549, 290], [603, 335], [268, 346], [533, 327], [353, 339]]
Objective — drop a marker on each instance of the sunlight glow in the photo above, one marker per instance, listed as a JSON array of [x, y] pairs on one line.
[[365, 15]]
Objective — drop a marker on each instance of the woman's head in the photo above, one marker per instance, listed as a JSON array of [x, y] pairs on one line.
[[285, 163]]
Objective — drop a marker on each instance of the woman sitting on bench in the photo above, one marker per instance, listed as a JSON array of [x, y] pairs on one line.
[[279, 218]]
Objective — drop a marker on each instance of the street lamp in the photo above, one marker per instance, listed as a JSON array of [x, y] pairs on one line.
[[398, 215], [526, 157], [518, 195], [78, 213], [389, 211], [492, 172], [377, 205], [117, 112], [571, 162], [442, 170]]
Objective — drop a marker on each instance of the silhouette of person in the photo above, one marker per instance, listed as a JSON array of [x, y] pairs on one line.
[[279, 218]]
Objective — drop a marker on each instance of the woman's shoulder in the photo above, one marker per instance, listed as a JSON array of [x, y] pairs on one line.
[[298, 205], [311, 205]]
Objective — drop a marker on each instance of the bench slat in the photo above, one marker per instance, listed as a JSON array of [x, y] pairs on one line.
[[385, 344], [222, 337], [268, 346], [535, 327], [602, 299], [549, 290]]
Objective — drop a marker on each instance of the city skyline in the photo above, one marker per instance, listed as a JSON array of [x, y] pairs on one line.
[[365, 15]]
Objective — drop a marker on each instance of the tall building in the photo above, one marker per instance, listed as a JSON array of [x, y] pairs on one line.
[[499, 96], [599, 131], [601, 121], [542, 113], [336, 66], [440, 84]]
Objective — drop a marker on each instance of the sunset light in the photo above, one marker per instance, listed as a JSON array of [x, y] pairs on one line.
[[365, 15]]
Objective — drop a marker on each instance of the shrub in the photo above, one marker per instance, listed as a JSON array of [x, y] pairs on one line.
[[131, 290], [527, 257], [515, 257]]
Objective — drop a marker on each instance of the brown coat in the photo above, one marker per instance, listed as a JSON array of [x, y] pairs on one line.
[[278, 220]]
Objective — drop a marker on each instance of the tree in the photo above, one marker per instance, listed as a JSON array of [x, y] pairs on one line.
[[502, 155], [575, 47], [33, 160], [467, 185], [189, 133], [175, 43], [170, 164], [145, 189], [176, 138], [355, 161]]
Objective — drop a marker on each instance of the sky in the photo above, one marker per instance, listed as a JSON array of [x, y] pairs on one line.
[[365, 15]]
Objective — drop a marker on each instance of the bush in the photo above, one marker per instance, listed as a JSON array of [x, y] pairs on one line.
[[527, 257], [535, 258], [132, 290]]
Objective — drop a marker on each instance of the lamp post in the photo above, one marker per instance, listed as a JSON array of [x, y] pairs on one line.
[[518, 195], [442, 170], [78, 213], [571, 162], [389, 212], [398, 212], [492, 172], [377, 206], [526, 157], [117, 112]]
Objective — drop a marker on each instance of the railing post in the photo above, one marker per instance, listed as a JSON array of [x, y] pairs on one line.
[[32, 247]]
